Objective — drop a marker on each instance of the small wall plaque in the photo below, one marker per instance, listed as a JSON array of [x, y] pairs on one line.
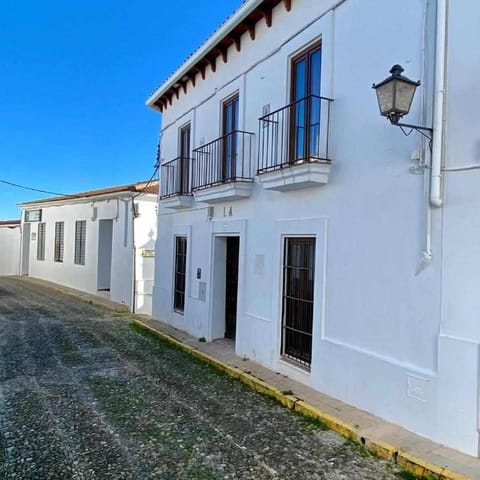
[[148, 253], [33, 215]]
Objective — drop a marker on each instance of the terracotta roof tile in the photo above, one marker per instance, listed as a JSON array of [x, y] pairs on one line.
[[140, 187], [8, 223]]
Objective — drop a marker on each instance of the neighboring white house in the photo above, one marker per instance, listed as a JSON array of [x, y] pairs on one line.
[[297, 220], [9, 247], [100, 241]]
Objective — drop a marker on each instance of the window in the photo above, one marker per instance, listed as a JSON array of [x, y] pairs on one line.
[[183, 174], [298, 286], [58, 245], [305, 98], [229, 134], [41, 241], [80, 241], [180, 269]]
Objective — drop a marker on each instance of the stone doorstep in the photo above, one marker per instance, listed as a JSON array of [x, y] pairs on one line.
[[392, 442]]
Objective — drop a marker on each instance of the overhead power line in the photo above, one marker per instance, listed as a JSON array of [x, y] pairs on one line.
[[30, 188]]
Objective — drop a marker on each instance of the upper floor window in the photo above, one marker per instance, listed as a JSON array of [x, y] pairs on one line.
[[306, 102], [229, 134], [80, 241], [41, 241]]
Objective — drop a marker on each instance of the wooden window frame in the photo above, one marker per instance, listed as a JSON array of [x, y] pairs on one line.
[[305, 53]]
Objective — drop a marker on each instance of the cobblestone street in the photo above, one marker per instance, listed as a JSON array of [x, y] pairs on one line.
[[84, 395]]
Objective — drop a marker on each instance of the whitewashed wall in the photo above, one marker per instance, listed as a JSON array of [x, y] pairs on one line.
[[145, 238], [10, 238], [377, 314], [459, 340], [84, 277]]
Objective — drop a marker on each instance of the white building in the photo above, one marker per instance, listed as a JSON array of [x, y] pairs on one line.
[[100, 241], [333, 248], [9, 247]]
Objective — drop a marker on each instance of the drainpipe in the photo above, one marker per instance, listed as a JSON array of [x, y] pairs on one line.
[[134, 260], [439, 105]]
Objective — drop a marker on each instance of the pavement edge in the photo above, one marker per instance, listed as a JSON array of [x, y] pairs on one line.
[[408, 462]]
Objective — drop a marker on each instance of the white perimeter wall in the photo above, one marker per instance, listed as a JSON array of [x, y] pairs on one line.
[[145, 238], [10, 250], [84, 277], [376, 319]]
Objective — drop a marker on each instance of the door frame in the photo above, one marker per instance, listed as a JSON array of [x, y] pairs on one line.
[[219, 229]]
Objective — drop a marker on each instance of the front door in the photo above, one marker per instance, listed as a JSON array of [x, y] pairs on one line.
[[231, 287], [305, 99], [229, 135], [25, 248]]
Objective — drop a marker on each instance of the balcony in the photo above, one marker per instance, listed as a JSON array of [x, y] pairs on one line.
[[293, 145], [222, 169], [175, 186]]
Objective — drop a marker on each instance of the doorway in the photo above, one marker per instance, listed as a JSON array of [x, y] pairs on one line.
[[225, 287], [25, 248], [105, 237], [231, 286]]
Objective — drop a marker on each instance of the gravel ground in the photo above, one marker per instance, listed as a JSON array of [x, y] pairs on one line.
[[84, 395]]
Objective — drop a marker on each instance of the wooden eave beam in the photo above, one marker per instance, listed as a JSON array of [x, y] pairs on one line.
[[267, 15], [237, 41], [250, 29], [219, 52], [287, 4], [212, 62]]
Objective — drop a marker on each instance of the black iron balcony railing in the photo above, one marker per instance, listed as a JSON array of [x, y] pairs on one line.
[[175, 178], [226, 159], [295, 134]]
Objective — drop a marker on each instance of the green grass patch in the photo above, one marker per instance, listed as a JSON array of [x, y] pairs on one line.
[[69, 352], [404, 475], [2, 453], [120, 402]]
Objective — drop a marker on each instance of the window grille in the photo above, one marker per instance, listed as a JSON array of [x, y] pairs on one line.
[[41, 241], [180, 271], [298, 288], [80, 241], [58, 245]]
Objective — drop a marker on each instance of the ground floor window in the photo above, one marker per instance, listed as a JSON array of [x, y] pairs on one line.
[[41, 241], [180, 271], [298, 287], [58, 246], [80, 241]]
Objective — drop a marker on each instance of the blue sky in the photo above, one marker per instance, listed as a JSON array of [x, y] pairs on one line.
[[74, 77]]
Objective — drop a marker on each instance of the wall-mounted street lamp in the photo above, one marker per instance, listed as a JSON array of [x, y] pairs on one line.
[[395, 95]]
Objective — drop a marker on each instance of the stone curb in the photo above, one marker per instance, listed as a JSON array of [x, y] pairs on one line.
[[381, 449]]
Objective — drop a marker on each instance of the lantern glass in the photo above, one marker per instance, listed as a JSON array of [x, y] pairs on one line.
[[385, 97], [404, 92]]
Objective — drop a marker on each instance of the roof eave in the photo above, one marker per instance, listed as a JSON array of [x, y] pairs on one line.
[[224, 30]]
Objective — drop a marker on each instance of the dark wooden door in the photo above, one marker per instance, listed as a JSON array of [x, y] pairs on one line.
[[231, 290]]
